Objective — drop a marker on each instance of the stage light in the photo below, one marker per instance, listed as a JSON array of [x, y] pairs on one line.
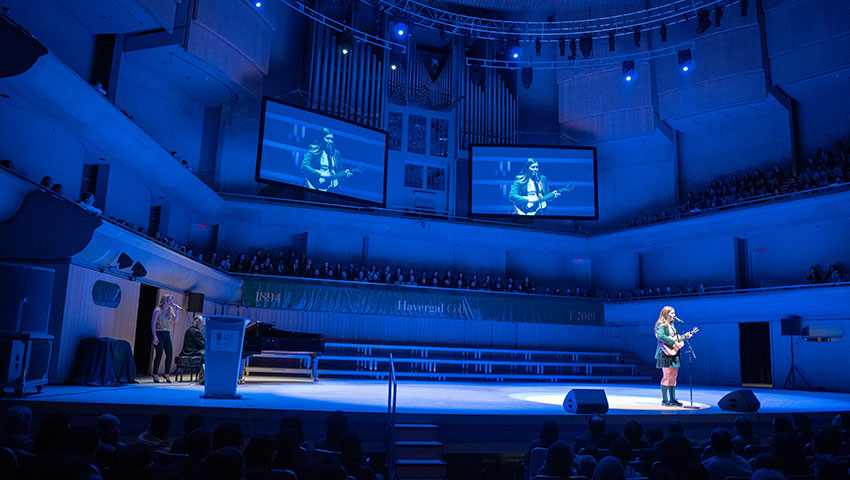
[[703, 20], [138, 270], [663, 31], [562, 46], [537, 46], [515, 52], [611, 41], [586, 45], [637, 36], [258, 4], [345, 44], [572, 49], [124, 261], [718, 14], [393, 66], [400, 29], [745, 5], [685, 62], [629, 70]]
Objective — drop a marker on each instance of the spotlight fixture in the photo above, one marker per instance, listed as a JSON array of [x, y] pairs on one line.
[[258, 4], [345, 43], [637, 35], [611, 41], [537, 46], [586, 45], [718, 14], [138, 271], [400, 29], [572, 49], [703, 20], [685, 62], [515, 52], [562, 46], [745, 5], [629, 70], [663, 32], [124, 261]]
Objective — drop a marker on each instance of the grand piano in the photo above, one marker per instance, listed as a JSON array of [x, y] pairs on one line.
[[271, 351]]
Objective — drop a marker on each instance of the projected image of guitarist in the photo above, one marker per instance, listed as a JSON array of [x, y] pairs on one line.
[[321, 164], [530, 191]]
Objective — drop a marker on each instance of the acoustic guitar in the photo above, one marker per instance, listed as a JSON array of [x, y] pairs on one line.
[[680, 342]]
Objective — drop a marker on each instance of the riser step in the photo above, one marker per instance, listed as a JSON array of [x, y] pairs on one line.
[[408, 469], [418, 450], [405, 432]]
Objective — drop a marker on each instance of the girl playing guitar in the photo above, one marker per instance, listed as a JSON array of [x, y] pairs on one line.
[[667, 355]]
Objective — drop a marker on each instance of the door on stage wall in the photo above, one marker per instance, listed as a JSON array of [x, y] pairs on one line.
[[144, 337], [755, 354]]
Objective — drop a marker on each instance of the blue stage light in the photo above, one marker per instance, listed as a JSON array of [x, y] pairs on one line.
[[685, 61], [629, 70], [258, 4], [515, 52], [400, 29]]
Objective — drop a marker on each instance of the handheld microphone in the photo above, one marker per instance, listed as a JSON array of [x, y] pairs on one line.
[[178, 307], [679, 319]]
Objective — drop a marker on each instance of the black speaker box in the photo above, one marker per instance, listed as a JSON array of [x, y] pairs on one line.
[[196, 302], [586, 400], [792, 325], [739, 401]]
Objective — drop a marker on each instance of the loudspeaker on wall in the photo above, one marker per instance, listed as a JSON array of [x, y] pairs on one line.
[[739, 401], [196, 302], [586, 400]]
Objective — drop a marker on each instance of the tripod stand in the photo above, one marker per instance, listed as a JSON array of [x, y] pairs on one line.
[[793, 372]]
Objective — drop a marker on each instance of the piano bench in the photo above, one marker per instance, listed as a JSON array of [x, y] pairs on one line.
[[188, 365]]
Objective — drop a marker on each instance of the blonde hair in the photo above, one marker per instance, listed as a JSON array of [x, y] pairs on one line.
[[662, 317], [163, 298]]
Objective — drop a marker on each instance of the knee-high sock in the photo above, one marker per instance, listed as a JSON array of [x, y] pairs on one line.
[[664, 390], [672, 393]]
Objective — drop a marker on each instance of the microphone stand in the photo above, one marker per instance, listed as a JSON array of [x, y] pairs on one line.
[[691, 356]]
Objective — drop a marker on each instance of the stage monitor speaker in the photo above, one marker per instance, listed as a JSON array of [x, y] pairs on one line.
[[196, 302], [586, 400], [739, 401], [792, 325]]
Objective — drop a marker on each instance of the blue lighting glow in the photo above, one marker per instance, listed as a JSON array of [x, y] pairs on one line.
[[400, 29], [515, 53], [258, 4]]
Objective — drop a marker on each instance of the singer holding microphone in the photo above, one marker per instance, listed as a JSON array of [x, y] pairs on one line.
[[667, 355], [162, 322]]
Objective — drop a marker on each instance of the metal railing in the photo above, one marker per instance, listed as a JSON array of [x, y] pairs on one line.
[[392, 395]]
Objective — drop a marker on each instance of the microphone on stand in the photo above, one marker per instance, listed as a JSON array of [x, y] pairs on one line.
[[178, 307], [679, 319]]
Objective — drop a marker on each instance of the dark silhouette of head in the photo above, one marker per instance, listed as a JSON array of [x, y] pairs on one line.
[[721, 441]]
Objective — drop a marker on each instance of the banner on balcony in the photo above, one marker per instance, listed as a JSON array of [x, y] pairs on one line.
[[409, 301]]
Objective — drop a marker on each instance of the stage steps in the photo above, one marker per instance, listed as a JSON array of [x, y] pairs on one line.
[[418, 452], [353, 360]]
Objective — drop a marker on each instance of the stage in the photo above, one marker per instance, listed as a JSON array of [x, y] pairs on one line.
[[473, 417]]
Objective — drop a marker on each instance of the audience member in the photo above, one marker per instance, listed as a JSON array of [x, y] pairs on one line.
[[17, 424], [559, 461], [226, 463], [597, 435], [352, 458], [609, 468], [87, 202], [725, 462], [337, 424], [198, 447], [191, 423], [58, 188], [156, 436], [47, 182], [228, 434]]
